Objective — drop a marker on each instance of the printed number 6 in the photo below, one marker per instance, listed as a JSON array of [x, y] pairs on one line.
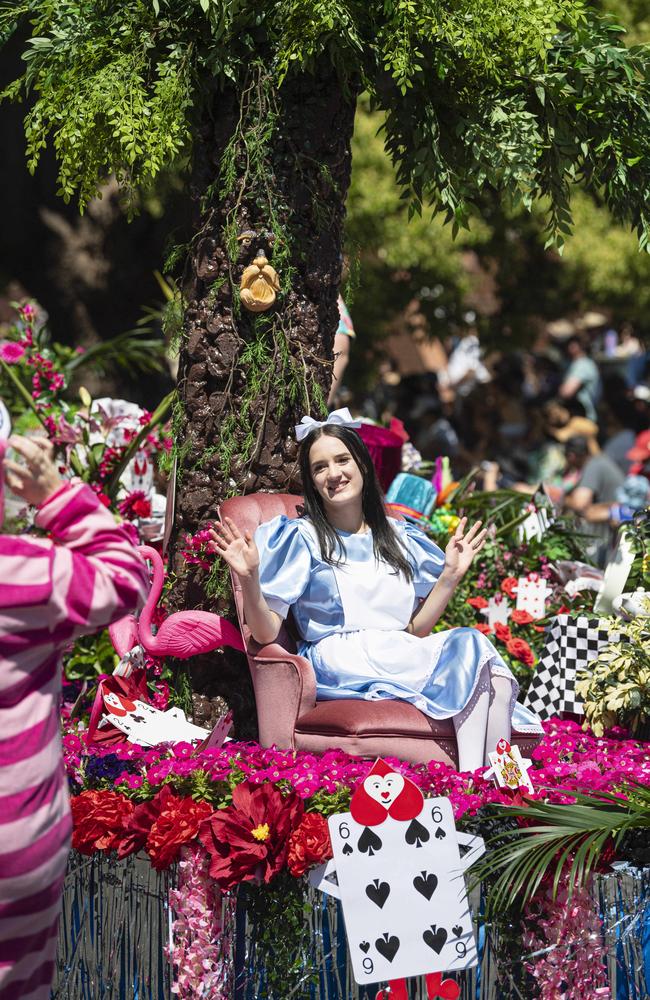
[[461, 949], [368, 965], [436, 815], [344, 833]]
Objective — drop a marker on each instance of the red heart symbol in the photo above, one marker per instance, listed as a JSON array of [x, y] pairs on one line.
[[396, 991], [447, 989]]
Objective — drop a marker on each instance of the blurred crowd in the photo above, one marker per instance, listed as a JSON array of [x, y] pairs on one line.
[[571, 414]]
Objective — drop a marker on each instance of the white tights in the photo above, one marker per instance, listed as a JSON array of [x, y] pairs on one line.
[[484, 721]]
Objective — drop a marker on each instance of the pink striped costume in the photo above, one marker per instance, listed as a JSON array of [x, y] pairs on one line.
[[50, 592]]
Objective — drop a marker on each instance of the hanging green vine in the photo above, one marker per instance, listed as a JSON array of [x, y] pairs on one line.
[[273, 371]]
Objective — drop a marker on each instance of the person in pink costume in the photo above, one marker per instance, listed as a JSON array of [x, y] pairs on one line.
[[83, 575]]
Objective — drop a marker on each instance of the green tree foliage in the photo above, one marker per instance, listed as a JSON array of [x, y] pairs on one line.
[[525, 98]]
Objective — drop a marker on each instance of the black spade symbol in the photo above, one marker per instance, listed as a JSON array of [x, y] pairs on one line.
[[387, 946], [458, 930], [435, 938], [378, 892], [365, 946], [347, 849], [440, 833], [369, 842], [416, 833], [425, 884]]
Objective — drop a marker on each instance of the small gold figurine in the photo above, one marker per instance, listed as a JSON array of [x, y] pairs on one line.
[[259, 285]]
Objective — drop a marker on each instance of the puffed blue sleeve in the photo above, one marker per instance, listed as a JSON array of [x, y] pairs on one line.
[[426, 558], [285, 563]]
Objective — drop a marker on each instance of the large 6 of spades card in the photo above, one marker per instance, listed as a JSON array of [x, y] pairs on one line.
[[399, 876]]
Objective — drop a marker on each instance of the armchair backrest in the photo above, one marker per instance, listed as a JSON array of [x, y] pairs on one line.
[[248, 512]]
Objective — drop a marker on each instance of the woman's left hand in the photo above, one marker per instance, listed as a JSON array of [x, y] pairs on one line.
[[462, 548]]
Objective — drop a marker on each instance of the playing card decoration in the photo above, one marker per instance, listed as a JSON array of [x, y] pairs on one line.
[[508, 767], [399, 876], [498, 611], [532, 592]]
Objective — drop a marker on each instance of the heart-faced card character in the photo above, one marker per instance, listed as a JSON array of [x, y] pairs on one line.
[[399, 874]]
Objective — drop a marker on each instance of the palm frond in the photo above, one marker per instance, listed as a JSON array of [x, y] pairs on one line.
[[564, 841], [131, 350]]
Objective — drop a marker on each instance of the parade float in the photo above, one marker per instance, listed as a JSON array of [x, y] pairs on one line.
[[196, 862]]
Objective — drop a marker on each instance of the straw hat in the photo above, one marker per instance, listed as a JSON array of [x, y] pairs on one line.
[[578, 427]]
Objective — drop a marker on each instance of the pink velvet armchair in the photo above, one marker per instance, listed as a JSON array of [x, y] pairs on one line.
[[288, 714]]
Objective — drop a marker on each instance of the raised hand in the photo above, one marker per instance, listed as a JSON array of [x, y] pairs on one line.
[[239, 551], [37, 478], [462, 548]]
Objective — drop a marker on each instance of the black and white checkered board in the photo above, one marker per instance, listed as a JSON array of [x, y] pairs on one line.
[[571, 644]]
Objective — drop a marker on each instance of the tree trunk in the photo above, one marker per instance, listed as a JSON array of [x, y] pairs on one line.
[[273, 175]]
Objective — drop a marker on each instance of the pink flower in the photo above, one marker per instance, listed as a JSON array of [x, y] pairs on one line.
[[11, 352]]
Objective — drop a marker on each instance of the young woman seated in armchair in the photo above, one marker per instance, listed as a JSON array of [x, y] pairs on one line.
[[365, 591]]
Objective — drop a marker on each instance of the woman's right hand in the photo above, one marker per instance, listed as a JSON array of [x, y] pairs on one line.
[[239, 551]]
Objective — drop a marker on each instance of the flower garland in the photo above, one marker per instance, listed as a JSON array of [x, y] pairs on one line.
[[564, 936], [254, 809], [199, 940]]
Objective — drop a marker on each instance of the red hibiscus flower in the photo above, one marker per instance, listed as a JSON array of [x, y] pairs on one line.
[[502, 632], [249, 840], [509, 585], [477, 602], [521, 617], [520, 649], [98, 820], [309, 844], [484, 628]]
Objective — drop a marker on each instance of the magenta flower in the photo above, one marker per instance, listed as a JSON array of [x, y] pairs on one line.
[[11, 352]]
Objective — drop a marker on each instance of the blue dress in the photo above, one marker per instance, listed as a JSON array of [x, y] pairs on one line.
[[351, 619]]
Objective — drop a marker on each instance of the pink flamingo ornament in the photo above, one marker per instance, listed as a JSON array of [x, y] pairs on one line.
[[183, 634]]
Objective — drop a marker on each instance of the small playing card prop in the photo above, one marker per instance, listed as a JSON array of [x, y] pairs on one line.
[[399, 876], [121, 709], [219, 734], [497, 611], [148, 726], [535, 525], [508, 767], [532, 592]]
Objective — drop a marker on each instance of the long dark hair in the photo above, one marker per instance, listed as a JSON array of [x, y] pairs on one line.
[[385, 542]]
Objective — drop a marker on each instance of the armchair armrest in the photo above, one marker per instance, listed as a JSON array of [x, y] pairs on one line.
[[285, 688]]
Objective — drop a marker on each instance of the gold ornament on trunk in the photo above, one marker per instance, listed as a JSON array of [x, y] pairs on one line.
[[259, 285]]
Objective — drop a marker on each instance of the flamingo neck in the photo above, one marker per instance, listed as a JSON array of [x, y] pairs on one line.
[[149, 639]]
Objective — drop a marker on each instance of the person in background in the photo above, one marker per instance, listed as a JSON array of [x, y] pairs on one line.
[[344, 334], [597, 481], [581, 379], [85, 574]]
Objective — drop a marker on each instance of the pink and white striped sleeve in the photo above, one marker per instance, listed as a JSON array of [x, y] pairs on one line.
[[95, 573]]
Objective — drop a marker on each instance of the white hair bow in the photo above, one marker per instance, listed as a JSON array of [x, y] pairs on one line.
[[341, 417]]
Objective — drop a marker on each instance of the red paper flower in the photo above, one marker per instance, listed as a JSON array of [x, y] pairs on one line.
[[509, 585], [98, 820], [521, 617], [520, 649], [135, 504], [502, 632], [484, 628], [178, 821], [136, 830], [477, 602], [309, 844], [249, 840]]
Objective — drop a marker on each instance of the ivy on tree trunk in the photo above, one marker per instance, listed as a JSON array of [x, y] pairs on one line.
[[272, 174]]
